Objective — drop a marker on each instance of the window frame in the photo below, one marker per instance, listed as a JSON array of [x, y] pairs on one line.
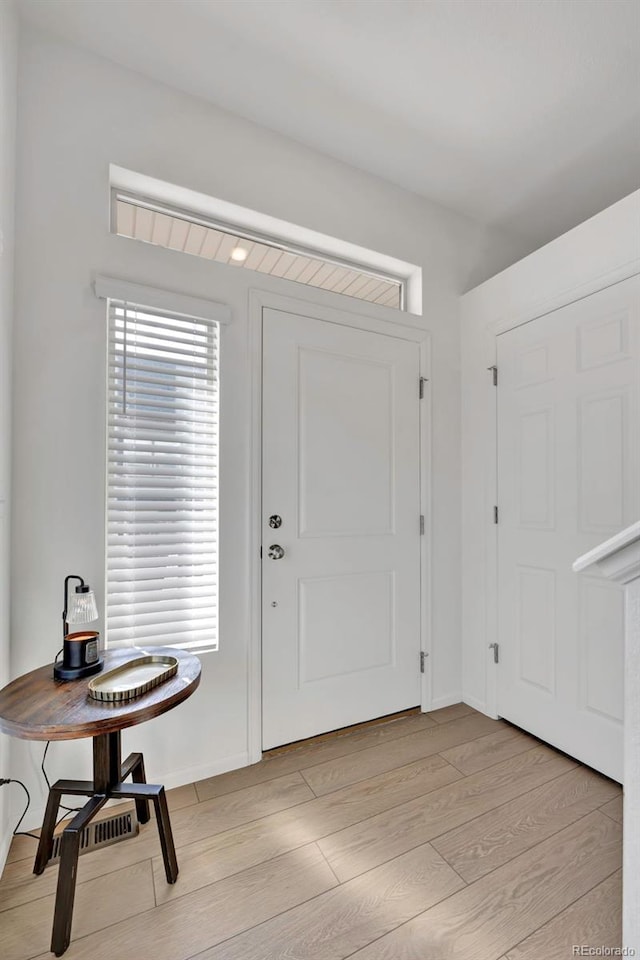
[[139, 298], [256, 236]]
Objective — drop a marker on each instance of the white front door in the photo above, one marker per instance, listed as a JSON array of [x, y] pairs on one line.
[[568, 478], [341, 502]]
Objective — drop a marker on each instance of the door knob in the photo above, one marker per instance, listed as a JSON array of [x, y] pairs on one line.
[[276, 552]]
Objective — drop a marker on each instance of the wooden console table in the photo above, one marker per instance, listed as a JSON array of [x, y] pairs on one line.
[[36, 707]]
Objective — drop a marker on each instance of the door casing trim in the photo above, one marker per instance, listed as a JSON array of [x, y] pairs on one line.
[[400, 329]]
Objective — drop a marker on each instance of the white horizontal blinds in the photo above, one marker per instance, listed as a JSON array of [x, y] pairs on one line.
[[162, 510]]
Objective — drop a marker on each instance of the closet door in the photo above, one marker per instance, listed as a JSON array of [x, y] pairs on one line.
[[568, 478]]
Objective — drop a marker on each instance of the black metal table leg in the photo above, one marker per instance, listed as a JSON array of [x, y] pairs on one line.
[[166, 836], [108, 776], [45, 843], [61, 788], [134, 766], [156, 793], [106, 761], [66, 889]]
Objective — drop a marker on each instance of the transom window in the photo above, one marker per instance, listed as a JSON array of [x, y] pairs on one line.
[[145, 220]]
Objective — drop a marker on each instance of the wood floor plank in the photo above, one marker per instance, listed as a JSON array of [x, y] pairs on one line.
[[454, 712], [482, 921], [180, 797], [335, 924], [478, 754], [613, 808], [593, 920], [176, 931], [224, 813], [476, 848], [20, 885], [22, 848], [341, 745], [364, 845], [212, 858], [325, 777], [26, 930]]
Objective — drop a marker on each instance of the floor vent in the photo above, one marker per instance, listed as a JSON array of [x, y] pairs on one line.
[[102, 833]]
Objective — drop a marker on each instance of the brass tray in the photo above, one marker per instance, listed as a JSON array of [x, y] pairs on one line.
[[132, 679]]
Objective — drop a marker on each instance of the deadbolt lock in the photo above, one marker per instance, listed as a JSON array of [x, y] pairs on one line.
[[275, 521]]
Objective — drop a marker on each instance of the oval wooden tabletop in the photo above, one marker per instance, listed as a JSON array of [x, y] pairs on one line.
[[37, 707]]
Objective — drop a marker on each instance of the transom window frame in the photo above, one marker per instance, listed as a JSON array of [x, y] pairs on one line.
[[242, 234]]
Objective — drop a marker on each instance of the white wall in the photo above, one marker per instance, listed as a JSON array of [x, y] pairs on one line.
[[8, 75], [594, 255], [77, 114]]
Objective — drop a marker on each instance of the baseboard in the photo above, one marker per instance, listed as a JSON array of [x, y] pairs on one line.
[[447, 700], [478, 705], [4, 847], [178, 778]]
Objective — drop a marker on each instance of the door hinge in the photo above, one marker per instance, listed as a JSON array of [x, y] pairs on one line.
[[423, 657], [495, 514], [421, 383], [422, 524], [496, 652], [494, 371]]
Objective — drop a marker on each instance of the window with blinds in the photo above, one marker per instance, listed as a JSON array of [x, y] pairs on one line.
[[162, 484]]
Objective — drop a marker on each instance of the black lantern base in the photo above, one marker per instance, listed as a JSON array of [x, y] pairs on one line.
[[76, 673]]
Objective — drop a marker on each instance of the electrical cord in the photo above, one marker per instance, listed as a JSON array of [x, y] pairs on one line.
[[16, 831], [22, 833], [46, 780], [25, 833]]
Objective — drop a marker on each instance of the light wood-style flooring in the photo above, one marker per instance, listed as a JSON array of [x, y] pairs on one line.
[[442, 835]]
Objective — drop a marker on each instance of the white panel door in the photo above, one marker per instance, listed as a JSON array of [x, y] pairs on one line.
[[568, 478], [341, 468]]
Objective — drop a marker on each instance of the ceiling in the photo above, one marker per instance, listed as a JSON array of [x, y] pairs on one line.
[[523, 114]]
